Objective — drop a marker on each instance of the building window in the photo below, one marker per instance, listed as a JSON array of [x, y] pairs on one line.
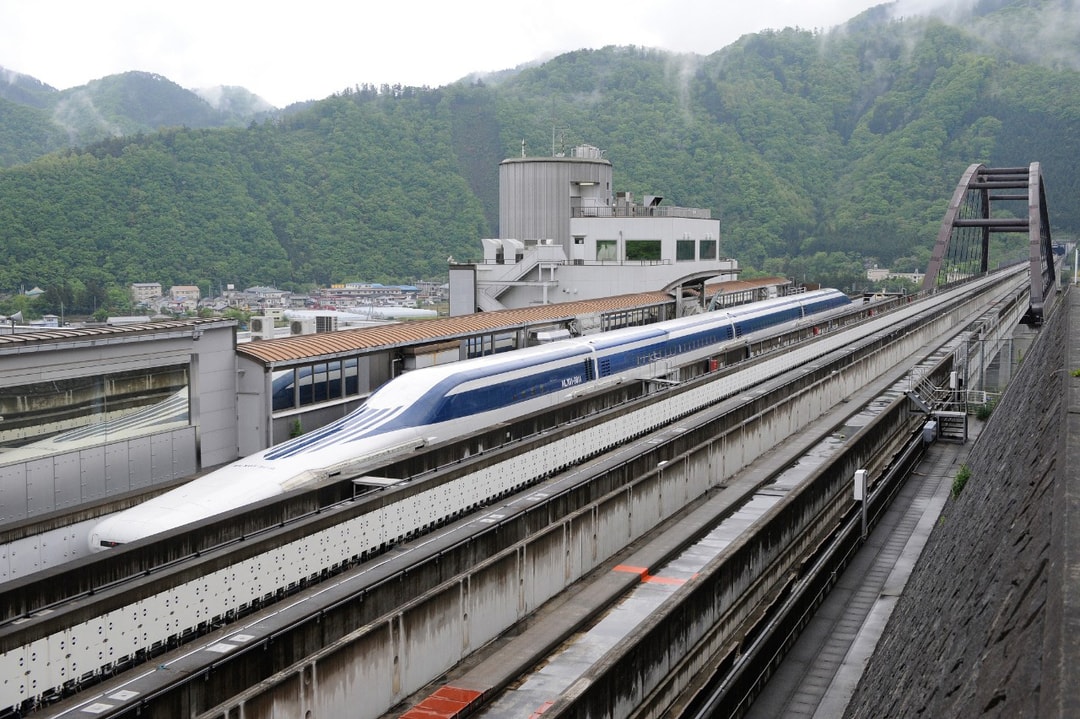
[[320, 385], [684, 250], [643, 251], [65, 415], [607, 250], [707, 249], [351, 373], [334, 385], [314, 383]]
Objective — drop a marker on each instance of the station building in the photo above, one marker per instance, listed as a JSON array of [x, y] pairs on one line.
[[105, 413], [565, 234]]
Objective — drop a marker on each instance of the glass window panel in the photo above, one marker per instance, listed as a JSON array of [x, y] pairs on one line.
[[643, 250], [684, 250], [352, 382], [334, 382], [283, 389], [607, 250], [320, 383], [63, 415], [707, 249]]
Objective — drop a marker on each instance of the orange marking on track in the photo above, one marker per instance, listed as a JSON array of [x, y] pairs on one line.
[[447, 702], [643, 572], [640, 571]]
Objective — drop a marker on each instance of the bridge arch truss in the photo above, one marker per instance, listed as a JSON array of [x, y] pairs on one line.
[[986, 201]]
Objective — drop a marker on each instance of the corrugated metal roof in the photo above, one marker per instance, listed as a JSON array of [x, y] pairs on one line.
[[289, 349], [68, 334]]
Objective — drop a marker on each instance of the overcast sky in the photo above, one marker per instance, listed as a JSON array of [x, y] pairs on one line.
[[309, 49]]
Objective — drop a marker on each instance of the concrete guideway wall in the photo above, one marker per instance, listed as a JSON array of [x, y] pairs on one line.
[[430, 635]]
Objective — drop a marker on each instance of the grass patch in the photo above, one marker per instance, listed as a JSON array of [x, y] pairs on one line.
[[960, 480], [984, 410]]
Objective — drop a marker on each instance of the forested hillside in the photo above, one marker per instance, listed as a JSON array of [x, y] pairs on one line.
[[820, 152]]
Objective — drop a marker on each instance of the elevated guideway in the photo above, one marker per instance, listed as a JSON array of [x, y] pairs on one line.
[[752, 429]]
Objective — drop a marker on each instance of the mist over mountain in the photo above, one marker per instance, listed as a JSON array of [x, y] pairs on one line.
[[24, 90], [821, 152], [38, 119], [234, 101]]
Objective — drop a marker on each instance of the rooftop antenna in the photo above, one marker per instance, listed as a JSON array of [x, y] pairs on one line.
[[523, 147], [559, 132]]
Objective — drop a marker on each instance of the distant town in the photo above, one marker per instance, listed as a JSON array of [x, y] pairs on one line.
[[346, 296], [152, 301]]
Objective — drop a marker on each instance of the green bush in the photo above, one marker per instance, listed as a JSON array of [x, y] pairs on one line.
[[983, 411], [960, 480]]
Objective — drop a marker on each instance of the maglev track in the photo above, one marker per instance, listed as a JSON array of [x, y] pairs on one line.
[[52, 648]]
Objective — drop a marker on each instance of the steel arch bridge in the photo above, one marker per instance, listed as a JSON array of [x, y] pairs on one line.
[[985, 202]]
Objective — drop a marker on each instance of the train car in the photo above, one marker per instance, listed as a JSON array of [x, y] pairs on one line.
[[445, 402]]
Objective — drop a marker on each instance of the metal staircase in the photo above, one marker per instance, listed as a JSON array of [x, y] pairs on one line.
[[945, 406]]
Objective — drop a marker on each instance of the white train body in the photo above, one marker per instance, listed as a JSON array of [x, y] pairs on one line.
[[444, 402]]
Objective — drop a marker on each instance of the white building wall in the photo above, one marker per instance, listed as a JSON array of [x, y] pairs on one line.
[[564, 280], [552, 198], [253, 404], [666, 229]]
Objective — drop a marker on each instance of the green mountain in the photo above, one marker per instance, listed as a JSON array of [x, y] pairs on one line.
[[36, 119], [820, 152]]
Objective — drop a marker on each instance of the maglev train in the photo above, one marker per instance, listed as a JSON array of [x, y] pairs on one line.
[[448, 401]]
